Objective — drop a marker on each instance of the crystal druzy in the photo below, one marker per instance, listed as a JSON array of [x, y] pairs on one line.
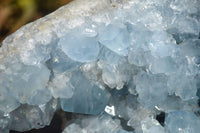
[[121, 64]]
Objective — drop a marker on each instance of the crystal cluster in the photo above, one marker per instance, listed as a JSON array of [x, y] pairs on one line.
[[118, 63]]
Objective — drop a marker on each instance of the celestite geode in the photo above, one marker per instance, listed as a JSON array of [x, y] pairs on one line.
[[123, 62]]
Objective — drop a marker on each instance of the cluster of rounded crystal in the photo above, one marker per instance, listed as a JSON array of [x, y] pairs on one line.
[[135, 61]]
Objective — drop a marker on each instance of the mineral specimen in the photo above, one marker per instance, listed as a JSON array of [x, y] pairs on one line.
[[181, 121], [119, 64]]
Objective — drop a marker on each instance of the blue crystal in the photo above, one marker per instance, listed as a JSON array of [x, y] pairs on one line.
[[87, 99], [182, 121], [116, 38], [79, 47]]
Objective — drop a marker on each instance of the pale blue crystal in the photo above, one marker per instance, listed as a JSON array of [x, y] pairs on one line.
[[163, 65], [182, 121], [98, 124], [152, 89], [150, 125], [27, 117], [60, 62], [88, 98], [79, 47], [4, 122], [7, 104], [28, 82], [123, 131], [116, 38]]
